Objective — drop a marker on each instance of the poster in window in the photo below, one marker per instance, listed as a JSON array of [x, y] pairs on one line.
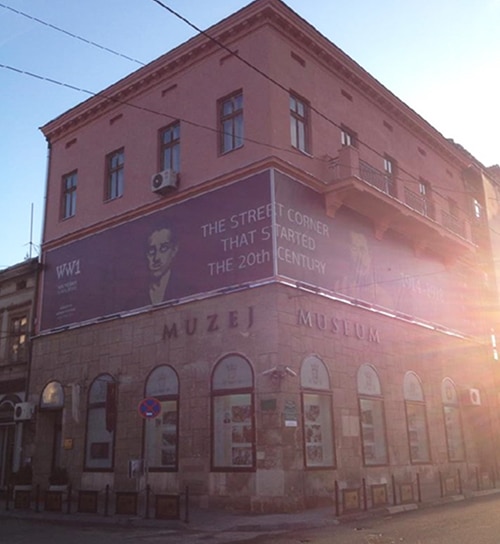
[[161, 436], [233, 426], [318, 434]]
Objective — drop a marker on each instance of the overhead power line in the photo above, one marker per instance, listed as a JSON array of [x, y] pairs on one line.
[[70, 34], [141, 108], [410, 179], [235, 54]]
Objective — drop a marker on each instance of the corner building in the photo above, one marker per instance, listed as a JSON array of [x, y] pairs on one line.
[[288, 262]]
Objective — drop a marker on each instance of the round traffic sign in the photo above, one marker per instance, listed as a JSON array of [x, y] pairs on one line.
[[149, 408]]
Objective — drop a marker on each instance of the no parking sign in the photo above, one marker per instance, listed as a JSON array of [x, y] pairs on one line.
[[149, 408]]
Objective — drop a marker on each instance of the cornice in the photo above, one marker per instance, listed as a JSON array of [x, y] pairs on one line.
[[166, 66], [258, 13], [338, 62]]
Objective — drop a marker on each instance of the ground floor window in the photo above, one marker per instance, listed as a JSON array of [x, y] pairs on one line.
[[452, 421], [317, 417], [318, 430], [101, 423], [233, 437], [161, 433], [416, 419], [371, 408]]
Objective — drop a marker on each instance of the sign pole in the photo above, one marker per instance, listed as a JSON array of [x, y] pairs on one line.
[[149, 409]]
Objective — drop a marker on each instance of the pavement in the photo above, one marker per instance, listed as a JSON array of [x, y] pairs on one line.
[[224, 521], [200, 520]]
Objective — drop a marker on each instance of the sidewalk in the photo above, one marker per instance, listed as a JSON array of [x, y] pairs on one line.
[[200, 520], [222, 521]]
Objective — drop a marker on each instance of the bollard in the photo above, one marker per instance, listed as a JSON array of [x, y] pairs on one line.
[[186, 517], [337, 504], [148, 489], [106, 500], [68, 499]]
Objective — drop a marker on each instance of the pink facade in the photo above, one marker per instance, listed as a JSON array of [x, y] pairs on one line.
[[323, 327]]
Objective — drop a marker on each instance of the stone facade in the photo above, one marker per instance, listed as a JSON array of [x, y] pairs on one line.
[[17, 299], [314, 332]]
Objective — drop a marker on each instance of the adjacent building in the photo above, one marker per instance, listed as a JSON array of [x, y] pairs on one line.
[[17, 302], [255, 238]]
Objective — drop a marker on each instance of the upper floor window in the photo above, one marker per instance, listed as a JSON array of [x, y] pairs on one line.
[[299, 122], [390, 175], [18, 339], [347, 137], [425, 205], [231, 122], [114, 174], [161, 435], [233, 436], [69, 195], [477, 209], [453, 207], [423, 188], [371, 407], [388, 166], [171, 147]]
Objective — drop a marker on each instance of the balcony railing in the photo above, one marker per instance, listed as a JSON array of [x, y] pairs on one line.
[[419, 203], [347, 175], [375, 177]]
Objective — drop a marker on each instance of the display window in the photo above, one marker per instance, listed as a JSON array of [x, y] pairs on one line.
[[101, 424], [416, 419], [318, 436], [452, 421], [372, 419], [161, 434], [233, 437]]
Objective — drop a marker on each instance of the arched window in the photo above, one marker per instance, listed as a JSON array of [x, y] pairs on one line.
[[52, 396], [51, 405], [452, 421], [101, 423], [233, 436], [416, 419], [371, 408], [319, 448], [161, 436]]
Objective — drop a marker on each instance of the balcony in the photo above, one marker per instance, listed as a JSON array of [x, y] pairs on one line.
[[426, 222]]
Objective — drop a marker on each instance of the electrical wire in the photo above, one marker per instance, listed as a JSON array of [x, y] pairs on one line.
[[142, 108], [411, 178], [71, 34], [399, 178], [274, 81], [163, 114]]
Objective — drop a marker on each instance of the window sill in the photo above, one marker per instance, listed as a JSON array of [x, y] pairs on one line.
[[302, 152]]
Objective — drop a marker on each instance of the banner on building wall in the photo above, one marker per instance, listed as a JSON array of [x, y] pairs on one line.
[[226, 238], [343, 256], [219, 239]]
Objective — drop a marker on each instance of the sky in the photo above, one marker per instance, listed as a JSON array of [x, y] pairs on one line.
[[440, 57]]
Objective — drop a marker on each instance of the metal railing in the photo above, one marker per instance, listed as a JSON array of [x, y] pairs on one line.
[[348, 165]]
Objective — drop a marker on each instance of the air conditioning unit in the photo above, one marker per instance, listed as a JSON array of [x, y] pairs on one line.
[[23, 411], [164, 181], [472, 397]]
